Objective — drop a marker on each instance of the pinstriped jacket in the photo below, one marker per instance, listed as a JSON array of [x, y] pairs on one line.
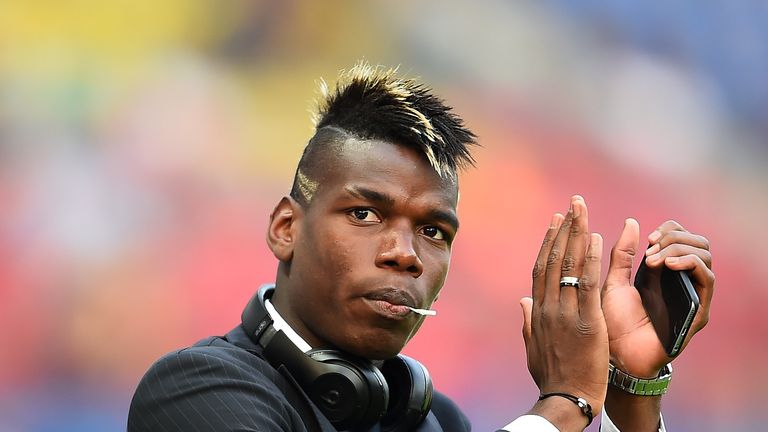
[[224, 384]]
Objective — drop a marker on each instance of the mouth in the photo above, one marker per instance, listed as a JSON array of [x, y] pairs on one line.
[[391, 303]]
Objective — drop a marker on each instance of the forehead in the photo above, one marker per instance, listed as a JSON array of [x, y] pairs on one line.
[[400, 169]]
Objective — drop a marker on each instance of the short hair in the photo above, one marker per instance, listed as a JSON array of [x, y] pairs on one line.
[[373, 103]]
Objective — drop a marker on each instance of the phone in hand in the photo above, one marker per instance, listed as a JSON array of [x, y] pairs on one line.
[[670, 301]]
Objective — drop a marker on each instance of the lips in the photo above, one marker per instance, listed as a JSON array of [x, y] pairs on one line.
[[394, 296], [391, 302]]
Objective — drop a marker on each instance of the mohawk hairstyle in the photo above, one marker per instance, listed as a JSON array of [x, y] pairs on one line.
[[374, 103]]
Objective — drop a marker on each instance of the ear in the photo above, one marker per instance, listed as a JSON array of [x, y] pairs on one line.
[[283, 227]]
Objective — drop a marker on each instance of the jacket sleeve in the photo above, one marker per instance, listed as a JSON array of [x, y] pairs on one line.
[[191, 390]]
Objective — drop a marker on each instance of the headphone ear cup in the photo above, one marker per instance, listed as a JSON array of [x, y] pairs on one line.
[[410, 393], [351, 392]]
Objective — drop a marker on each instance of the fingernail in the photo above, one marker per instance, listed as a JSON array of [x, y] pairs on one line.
[[654, 237], [576, 208], [555, 221], [652, 258], [652, 250]]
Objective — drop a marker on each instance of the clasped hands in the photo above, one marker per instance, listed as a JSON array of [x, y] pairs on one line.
[[571, 332]]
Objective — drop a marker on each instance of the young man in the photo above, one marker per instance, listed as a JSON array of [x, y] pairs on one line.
[[364, 243]]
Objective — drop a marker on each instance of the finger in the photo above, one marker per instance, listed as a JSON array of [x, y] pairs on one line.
[[704, 284], [573, 260], [678, 250], [589, 291], [622, 255], [663, 229], [703, 277], [540, 267], [555, 259], [526, 303], [678, 237]]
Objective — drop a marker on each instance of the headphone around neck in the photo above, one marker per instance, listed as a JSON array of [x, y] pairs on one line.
[[350, 391]]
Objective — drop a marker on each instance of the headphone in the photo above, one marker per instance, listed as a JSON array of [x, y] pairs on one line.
[[350, 391]]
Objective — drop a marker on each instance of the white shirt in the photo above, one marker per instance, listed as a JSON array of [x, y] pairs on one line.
[[534, 423], [525, 423]]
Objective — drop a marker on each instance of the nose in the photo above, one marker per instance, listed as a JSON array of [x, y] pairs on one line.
[[398, 252]]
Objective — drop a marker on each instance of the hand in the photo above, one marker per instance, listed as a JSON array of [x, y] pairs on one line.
[[634, 346], [565, 334]]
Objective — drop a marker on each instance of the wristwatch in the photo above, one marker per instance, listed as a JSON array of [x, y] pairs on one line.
[[640, 386]]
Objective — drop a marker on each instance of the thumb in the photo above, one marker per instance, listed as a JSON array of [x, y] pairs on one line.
[[622, 255], [526, 303]]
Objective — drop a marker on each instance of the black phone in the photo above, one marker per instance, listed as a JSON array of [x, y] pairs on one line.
[[670, 301]]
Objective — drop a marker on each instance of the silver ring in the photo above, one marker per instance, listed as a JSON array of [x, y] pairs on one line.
[[569, 281]]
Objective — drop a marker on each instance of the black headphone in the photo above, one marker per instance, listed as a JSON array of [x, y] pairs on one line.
[[350, 391]]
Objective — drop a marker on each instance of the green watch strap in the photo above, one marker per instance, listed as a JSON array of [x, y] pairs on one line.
[[640, 386]]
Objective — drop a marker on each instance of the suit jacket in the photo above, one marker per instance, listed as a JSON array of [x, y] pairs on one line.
[[224, 384]]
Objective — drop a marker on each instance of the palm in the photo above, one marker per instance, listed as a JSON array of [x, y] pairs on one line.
[[634, 346], [633, 343]]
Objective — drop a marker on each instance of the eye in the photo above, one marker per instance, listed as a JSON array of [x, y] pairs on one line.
[[364, 215], [433, 232]]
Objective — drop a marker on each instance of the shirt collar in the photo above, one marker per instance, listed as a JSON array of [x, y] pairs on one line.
[[280, 324]]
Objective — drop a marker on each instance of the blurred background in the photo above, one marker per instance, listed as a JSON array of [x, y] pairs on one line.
[[143, 145]]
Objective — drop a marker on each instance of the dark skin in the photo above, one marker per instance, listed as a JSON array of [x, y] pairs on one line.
[[565, 333], [376, 235], [564, 329], [634, 346]]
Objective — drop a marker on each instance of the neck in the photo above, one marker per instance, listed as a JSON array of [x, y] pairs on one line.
[[281, 302]]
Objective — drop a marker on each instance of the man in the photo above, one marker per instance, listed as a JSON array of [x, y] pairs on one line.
[[364, 244]]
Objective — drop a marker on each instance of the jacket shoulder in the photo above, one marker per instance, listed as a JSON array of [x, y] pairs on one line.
[[448, 414], [212, 386]]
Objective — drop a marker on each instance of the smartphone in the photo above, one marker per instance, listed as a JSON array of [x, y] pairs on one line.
[[670, 301]]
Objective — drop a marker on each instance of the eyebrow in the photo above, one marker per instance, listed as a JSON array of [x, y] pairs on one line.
[[447, 217], [370, 195], [384, 199]]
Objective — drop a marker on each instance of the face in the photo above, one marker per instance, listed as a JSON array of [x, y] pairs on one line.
[[375, 238]]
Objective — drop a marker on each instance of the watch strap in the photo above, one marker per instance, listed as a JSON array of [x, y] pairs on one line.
[[640, 386]]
